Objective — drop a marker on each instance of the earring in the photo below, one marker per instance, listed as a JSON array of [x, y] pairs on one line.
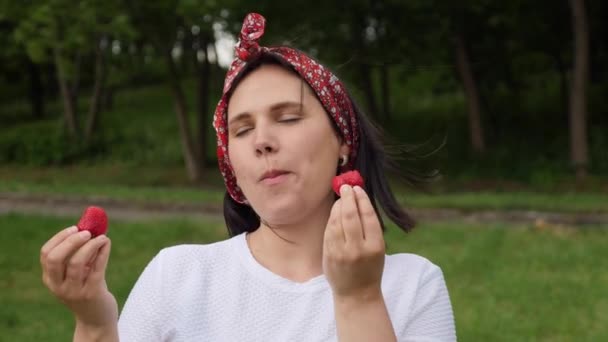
[[343, 160]]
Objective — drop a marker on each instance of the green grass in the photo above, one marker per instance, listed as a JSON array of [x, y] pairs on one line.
[[170, 185], [515, 283], [116, 181], [520, 200], [506, 282], [30, 313]]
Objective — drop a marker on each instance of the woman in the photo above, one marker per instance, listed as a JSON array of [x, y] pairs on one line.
[[301, 265]]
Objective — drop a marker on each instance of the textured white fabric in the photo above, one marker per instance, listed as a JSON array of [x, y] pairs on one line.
[[219, 292]]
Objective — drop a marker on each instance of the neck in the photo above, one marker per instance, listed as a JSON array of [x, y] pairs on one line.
[[293, 251]]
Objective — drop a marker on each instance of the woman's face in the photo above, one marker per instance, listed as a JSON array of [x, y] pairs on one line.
[[282, 146]]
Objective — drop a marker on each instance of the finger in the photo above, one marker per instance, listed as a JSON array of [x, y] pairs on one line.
[[351, 224], [56, 261], [100, 264], [78, 267], [333, 230], [369, 218], [91, 260], [56, 240]]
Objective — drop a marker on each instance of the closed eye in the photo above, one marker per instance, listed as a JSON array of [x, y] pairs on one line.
[[290, 118], [242, 131], [287, 120]]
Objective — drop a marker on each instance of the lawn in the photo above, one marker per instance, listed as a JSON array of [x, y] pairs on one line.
[[507, 282], [169, 185]]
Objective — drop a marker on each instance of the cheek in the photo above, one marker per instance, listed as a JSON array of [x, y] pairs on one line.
[[237, 160], [319, 156], [320, 148]]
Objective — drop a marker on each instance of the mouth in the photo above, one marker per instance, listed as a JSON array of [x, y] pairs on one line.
[[273, 176]]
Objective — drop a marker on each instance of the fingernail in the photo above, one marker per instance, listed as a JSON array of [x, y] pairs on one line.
[[72, 229], [344, 188], [85, 234], [357, 189]]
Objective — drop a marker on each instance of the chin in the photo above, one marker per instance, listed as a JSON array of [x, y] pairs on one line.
[[284, 210]]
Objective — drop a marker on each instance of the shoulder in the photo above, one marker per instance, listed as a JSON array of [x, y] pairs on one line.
[[411, 268], [418, 299]]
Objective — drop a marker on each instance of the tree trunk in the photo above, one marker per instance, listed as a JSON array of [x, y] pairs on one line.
[[471, 92], [76, 78], [214, 48], [36, 89], [69, 106], [385, 83], [365, 72], [563, 82], [108, 97], [51, 83], [95, 103], [195, 173], [578, 104], [204, 75], [365, 69]]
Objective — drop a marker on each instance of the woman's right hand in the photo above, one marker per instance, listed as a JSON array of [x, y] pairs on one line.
[[73, 269]]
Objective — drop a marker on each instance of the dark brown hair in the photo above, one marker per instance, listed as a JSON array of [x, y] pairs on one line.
[[374, 160]]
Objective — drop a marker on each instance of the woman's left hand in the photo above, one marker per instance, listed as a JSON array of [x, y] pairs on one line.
[[353, 247]]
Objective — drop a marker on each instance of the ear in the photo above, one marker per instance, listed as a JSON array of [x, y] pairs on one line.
[[344, 149]]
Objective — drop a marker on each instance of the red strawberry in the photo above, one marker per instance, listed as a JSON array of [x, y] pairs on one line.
[[351, 178], [95, 220]]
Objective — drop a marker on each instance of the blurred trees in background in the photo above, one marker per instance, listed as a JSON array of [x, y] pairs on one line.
[[517, 65], [69, 36]]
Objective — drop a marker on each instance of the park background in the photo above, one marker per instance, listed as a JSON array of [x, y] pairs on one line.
[[110, 103]]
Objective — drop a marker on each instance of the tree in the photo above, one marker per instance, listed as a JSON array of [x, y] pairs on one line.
[[463, 20], [66, 33], [185, 27], [578, 100], [469, 83], [14, 57]]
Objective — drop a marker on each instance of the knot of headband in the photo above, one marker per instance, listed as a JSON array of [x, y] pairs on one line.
[[253, 29]]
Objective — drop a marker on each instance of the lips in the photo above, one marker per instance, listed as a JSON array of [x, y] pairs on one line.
[[272, 174]]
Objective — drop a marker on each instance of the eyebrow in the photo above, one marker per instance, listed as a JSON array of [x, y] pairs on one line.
[[274, 108]]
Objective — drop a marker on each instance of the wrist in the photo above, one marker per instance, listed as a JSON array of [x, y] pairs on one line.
[[355, 314], [87, 332], [359, 298], [98, 321]]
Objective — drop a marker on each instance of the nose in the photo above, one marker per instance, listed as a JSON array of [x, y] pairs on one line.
[[265, 142]]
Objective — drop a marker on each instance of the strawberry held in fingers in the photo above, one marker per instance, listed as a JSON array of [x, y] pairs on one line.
[[95, 220], [351, 178]]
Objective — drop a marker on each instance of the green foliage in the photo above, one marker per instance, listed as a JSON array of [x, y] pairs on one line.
[[69, 28], [25, 145], [520, 53], [140, 130]]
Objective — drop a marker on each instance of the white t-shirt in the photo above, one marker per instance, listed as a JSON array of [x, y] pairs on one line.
[[219, 292]]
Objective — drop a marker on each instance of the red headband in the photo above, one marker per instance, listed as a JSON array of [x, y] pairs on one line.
[[326, 85]]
